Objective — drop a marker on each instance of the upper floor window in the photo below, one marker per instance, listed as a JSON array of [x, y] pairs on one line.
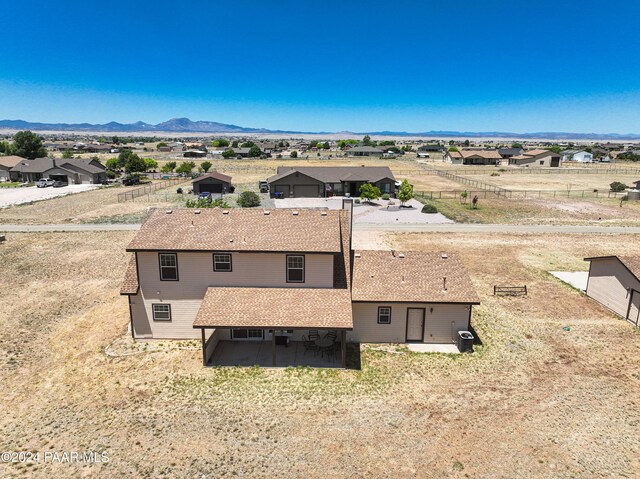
[[168, 267], [295, 269], [222, 262]]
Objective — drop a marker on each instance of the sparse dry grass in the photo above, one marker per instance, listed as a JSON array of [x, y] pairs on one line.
[[533, 401], [559, 181]]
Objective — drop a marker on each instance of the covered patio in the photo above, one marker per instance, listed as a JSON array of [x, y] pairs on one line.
[[259, 353], [267, 311]]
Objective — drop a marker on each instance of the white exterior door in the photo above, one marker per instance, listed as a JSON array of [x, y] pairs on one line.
[[415, 324], [634, 308]]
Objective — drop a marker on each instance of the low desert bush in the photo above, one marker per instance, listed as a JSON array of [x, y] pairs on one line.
[[429, 209]]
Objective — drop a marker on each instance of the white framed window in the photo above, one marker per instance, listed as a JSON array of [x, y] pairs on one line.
[[168, 266], [161, 312], [222, 262], [295, 269], [384, 314]]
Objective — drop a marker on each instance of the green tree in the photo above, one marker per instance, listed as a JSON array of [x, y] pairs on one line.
[[135, 164], [234, 144], [516, 145], [294, 154], [254, 151], [248, 199], [405, 192], [161, 144], [453, 148], [617, 186], [67, 154], [366, 141], [28, 145], [369, 192], [150, 164], [186, 167], [206, 166], [325, 145], [168, 167], [555, 149], [248, 144], [387, 143], [113, 164], [228, 154], [467, 143], [123, 157], [220, 142]]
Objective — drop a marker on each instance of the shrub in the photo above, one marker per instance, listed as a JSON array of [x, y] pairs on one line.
[[179, 191], [369, 192], [386, 196], [495, 174], [205, 203], [357, 201], [294, 154], [405, 192], [248, 199], [617, 186], [111, 174], [429, 209]]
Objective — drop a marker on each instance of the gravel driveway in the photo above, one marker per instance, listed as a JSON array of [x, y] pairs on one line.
[[18, 196], [381, 213]]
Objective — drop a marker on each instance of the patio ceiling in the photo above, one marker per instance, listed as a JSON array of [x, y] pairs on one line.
[[275, 308]]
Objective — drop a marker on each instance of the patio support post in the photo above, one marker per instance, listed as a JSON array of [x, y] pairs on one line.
[[343, 347], [204, 348], [273, 348]]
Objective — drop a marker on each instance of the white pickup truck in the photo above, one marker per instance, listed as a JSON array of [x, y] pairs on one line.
[[44, 182]]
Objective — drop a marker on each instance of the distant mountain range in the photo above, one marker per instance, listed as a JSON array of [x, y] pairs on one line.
[[185, 125]]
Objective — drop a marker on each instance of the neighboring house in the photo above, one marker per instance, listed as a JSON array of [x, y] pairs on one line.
[[252, 275], [510, 152], [430, 149], [614, 282], [637, 183], [324, 181], [364, 151], [72, 171], [473, 157], [213, 182], [581, 156], [537, 158], [6, 164], [241, 152], [195, 153]]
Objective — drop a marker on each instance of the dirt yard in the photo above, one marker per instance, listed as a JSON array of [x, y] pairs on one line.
[[99, 205], [558, 181], [533, 401]]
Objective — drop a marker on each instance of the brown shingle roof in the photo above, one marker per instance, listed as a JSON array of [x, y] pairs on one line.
[[10, 161], [418, 277], [130, 284], [342, 261], [277, 308], [281, 230], [215, 175]]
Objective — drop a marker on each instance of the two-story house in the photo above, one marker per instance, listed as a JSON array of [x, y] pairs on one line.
[[250, 275]]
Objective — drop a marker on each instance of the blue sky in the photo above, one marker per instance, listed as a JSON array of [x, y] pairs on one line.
[[360, 66]]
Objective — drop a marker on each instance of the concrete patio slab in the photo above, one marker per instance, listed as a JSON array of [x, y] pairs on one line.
[[433, 348], [577, 279], [258, 353]]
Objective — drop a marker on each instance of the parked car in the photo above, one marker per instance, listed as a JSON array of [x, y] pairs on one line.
[[131, 180], [264, 186], [60, 184], [44, 182], [205, 195]]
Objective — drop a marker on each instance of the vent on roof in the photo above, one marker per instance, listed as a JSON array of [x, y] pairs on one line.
[[393, 253], [168, 212], [357, 255], [225, 212], [400, 255], [444, 255], [267, 213], [196, 212], [444, 283], [294, 213], [324, 213]]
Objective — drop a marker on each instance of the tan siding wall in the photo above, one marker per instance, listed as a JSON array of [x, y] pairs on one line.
[[608, 283], [195, 272], [438, 325]]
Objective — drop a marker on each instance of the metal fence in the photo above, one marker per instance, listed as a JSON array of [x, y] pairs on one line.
[[518, 194], [148, 189]]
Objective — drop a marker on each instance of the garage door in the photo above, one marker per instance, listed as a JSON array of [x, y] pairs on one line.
[[438, 331], [211, 187], [634, 309], [305, 191]]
